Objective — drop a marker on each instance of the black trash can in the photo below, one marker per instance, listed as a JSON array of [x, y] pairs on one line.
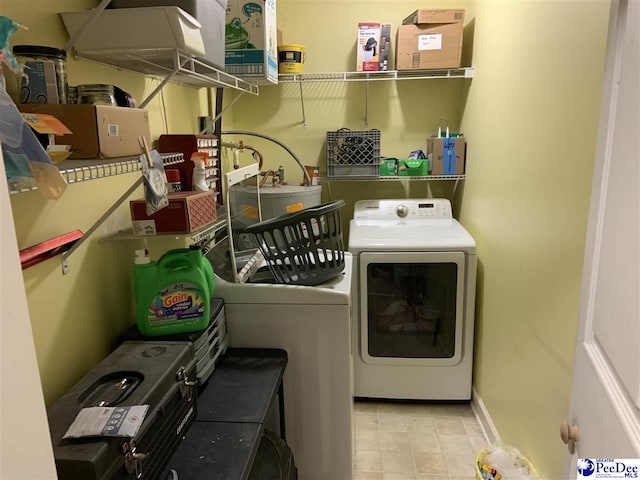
[[274, 460]]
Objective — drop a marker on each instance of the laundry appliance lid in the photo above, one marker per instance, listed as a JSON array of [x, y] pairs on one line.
[[398, 235], [336, 291], [422, 224]]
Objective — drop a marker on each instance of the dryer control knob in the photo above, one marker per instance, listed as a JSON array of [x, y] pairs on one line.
[[402, 211]]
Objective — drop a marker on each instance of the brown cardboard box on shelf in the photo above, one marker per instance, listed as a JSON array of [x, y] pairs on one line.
[[447, 156], [99, 131], [430, 39], [448, 15], [186, 212]]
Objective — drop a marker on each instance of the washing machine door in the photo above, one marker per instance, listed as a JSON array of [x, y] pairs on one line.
[[411, 308]]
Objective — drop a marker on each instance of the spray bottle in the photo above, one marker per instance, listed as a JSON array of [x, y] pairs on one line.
[[199, 179]]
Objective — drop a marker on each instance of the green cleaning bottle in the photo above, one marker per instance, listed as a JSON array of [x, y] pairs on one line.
[[173, 294]]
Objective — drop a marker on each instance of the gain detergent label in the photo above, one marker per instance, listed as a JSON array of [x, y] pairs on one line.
[[177, 302]]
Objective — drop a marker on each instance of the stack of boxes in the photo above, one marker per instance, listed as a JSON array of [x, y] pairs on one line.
[[428, 39], [445, 156]]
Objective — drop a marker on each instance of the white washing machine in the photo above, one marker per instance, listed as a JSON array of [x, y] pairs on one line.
[[414, 294], [313, 325]]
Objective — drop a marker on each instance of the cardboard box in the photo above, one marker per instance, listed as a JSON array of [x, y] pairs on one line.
[[429, 46], [388, 167], [446, 156], [251, 42], [385, 46], [368, 47], [435, 16], [186, 212], [430, 39], [99, 131], [410, 168]]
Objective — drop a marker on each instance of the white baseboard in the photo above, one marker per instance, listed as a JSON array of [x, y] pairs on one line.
[[484, 418]]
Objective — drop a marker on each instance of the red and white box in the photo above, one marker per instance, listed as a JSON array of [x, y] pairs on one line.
[[186, 212], [368, 47]]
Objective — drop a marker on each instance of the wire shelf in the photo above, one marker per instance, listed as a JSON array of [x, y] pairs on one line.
[[75, 171], [202, 235], [392, 178], [172, 65], [464, 72]]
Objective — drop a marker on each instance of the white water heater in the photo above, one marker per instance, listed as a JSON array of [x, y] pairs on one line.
[[277, 200]]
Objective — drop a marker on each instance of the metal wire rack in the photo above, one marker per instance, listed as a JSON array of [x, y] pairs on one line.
[[74, 171]]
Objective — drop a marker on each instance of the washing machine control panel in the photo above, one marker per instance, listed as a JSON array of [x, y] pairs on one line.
[[405, 209]]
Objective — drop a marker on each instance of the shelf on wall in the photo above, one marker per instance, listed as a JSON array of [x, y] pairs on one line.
[[171, 65], [74, 171], [463, 72], [456, 179], [389, 178], [389, 75], [168, 63], [201, 235]]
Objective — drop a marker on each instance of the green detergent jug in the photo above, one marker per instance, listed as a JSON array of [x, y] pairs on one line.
[[173, 294]]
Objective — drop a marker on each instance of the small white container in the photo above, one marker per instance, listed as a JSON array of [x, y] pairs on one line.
[[135, 29]]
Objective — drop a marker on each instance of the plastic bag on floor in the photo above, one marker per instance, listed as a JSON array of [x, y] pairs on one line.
[[503, 462]]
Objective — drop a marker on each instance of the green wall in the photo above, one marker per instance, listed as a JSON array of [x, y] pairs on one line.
[[531, 118]]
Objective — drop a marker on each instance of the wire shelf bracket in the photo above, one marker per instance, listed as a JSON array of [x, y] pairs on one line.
[[167, 159]]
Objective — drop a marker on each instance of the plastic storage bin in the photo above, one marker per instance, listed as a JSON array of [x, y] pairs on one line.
[[119, 31], [305, 247], [353, 153], [210, 14]]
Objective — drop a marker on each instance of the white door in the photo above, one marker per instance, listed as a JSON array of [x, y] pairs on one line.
[[605, 403]]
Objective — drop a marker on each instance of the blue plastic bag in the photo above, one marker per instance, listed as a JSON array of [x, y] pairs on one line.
[[24, 156]]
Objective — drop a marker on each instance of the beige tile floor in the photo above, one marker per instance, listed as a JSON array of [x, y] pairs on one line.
[[415, 441]]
